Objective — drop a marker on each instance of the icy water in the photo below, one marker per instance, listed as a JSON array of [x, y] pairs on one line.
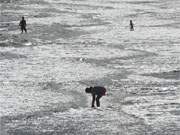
[[73, 44]]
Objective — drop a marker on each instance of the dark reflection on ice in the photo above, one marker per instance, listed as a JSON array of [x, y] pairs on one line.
[[175, 74]]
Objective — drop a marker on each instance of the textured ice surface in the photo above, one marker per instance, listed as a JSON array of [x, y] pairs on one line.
[[72, 44]]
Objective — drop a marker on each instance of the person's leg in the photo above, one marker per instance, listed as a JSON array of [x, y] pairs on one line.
[[25, 29], [21, 29], [132, 28], [97, 100], [93, 100]]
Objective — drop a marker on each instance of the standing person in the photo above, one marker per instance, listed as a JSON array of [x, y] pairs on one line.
[[97, 92], [131, 26], [22, 24]]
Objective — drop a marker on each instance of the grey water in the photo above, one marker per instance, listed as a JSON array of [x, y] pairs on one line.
[[74, 44]]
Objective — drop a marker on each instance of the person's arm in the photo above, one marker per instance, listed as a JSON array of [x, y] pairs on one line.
[[93, 99]]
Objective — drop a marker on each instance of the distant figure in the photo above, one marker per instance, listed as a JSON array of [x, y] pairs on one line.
[[22, 24], [97, 92], [131, 26]]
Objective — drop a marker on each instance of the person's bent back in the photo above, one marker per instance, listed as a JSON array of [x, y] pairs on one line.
[[97, 92]]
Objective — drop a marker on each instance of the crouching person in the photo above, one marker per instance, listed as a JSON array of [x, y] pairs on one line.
[[97, 92]]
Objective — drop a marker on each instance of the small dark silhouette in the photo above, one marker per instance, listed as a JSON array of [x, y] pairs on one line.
[[131, 26], [22, 24], [97, 92]]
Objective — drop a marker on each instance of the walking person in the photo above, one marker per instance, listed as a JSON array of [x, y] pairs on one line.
[[97, 92], [131, 26], [22, 24]]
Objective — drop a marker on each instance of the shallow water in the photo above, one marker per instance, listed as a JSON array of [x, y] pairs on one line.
[[72, 44]]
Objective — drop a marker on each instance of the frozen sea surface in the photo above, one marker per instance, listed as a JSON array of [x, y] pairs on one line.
[[73, 44]]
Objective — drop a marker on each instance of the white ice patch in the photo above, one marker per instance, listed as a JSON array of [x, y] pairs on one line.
[[21, 92], [16, 100]]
